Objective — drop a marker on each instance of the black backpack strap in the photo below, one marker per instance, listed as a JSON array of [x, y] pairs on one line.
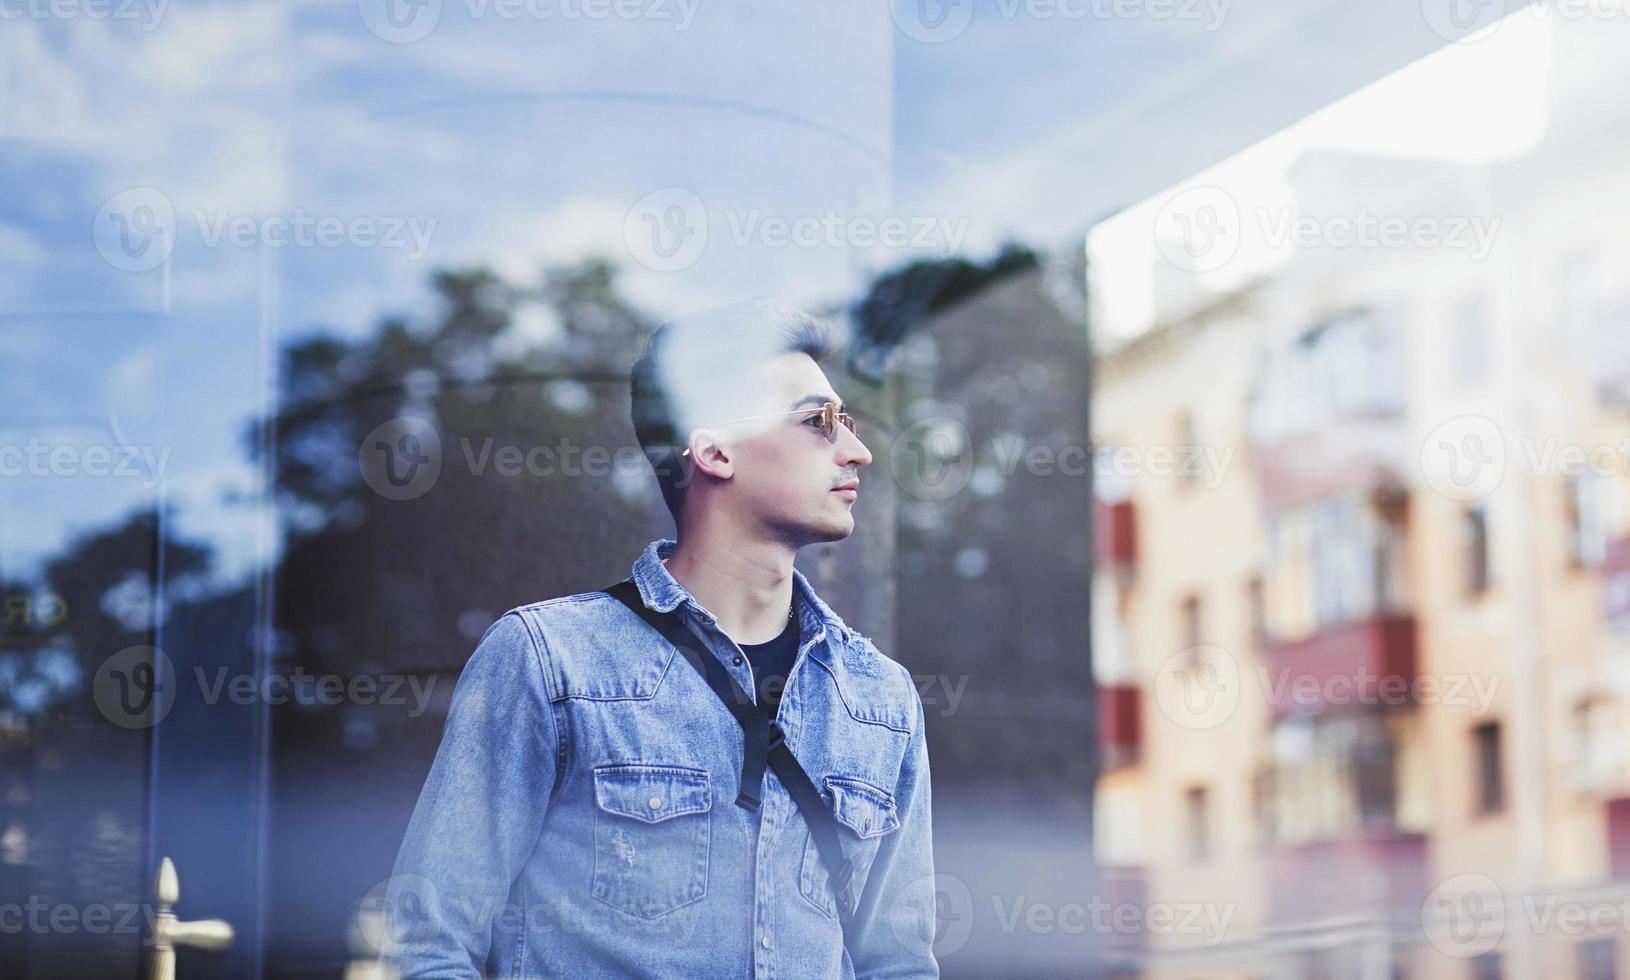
[[761, 742]]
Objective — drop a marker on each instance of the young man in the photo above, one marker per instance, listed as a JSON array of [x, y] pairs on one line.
[[589, 812]]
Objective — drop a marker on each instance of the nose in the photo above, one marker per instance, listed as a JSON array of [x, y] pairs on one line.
[[852, 452]]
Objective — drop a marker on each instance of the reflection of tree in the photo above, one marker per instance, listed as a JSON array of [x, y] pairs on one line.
[[98, 597], [992, 559], [367, 581], [72, 808], [904, 298], [520, 387]]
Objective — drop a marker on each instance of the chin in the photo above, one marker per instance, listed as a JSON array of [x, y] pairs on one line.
[[828, 531]]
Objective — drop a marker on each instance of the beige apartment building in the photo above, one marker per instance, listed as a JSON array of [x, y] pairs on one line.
[[1362, 608]]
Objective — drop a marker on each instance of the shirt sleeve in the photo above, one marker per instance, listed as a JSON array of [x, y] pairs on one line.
[[480, 813], [894, 923]]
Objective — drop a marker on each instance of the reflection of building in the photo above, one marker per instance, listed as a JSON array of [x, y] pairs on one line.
[[1364, 687]]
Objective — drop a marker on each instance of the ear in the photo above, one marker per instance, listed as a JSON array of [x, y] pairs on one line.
[[708, 455]]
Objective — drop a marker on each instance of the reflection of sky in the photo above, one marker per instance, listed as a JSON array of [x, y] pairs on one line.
[[513, 143]]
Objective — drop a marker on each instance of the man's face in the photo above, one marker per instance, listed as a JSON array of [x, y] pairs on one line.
[[784, 472]]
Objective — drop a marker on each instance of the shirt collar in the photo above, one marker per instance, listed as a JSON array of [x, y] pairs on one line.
[[659, 590]]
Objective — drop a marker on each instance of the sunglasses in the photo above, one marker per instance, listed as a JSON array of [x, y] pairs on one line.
[[828, 415]]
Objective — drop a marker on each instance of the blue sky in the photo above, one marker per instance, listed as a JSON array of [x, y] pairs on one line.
[[694, 142]]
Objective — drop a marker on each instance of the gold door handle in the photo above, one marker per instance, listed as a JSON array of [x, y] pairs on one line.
[[170, 932]]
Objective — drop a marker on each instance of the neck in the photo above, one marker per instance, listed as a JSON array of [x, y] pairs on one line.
[[746, 585]]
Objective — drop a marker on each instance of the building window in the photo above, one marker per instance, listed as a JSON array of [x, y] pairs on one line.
[[1587, 500], [1188, 473], [1477, 551], [1490, 779], [1257, 598], [1487, 967], [1191, 627], [1337, 775], [1198, 830], [1581, 306], [1470, 348], [1597, 959], [1336, 561]]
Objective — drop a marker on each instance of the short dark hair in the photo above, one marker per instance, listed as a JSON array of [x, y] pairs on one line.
[[705, 359]]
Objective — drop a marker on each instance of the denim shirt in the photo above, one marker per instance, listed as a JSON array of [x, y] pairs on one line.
[[580, 820]]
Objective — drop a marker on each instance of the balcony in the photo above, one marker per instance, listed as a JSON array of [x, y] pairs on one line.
[[1354, 456], [1115, 531], [1618, 838], [1365, 663], [1616, 586], [1120, 738], [1370, 871], [1327, 415]]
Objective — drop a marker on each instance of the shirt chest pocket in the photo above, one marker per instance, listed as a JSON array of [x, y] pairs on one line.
[[651, 828], [865, 816]]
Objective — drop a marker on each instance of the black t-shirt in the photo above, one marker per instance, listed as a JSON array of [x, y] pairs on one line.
[[772, 662]]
